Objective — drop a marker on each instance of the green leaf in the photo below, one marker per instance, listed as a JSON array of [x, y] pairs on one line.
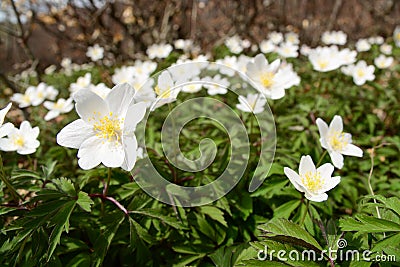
[[155, 214], [214, 213], [84, 201], [65, 185], [287, 231], [368, 224], [286, 209], [80, 260], [62, 222], [137, 229]]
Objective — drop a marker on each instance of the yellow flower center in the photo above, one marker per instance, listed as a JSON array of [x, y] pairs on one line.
[[163, 94], [267, 79], [361, 73], [397, 37], [312, 181], [108, 128], [322, 64], [338, 141], [19, 141]]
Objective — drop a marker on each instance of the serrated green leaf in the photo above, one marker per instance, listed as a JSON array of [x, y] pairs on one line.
[[65, 185], [214, 213], [368, 224], [287, 231], [84, 201], [155, 214], [61, 220]]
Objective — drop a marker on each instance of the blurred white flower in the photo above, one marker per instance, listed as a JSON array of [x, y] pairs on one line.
[[363, 45], [347, 56], [325, 59], [84, 82], [361, 72], [125, 74], [267, 46], [236, 45], [55, 109], [292, 37], [216, 85], [376, 40], [396, 36], [287, 50], [5, 128], [305, 50], [383, 62], [270, 78], [334, 37], [95, 52], [275, 37], [192, 86], [313, 182], [251, 103], [184, 45], [165, 91], [336, 142], [386, 49], [105, 131], [23, 140], [159, 51]]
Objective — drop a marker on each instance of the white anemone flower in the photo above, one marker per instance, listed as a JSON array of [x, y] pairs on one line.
[[313, 182], [105, 131], [159, 50], [288, 50], [23, 140], [216, 85], [271, 79], [275, 37], [5, 128], [336, 142], [55, 109], [165, 89], [251, 103], [396, 36], [95, 52], [267, 46], [83, 82], [325, 59], [386, 49], [383, 62], [334, 37], [361, 72], [363, 45]]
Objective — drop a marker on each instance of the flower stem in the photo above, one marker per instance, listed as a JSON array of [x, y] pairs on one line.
[[321, 158], [3, 178], [108, 182], [305, 213]]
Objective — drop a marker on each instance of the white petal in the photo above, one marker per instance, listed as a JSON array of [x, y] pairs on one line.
[[119, 98], [336, 124], [74, 134], [317, 198], [51, 115], [306, 165], [326, 170], [89, 153], [134, 115], [352, 150], [7, 145], [89, 104], [331, 183], [337, 159], [3, 113], [130, 147], [322, 128], [6, 129], [294, 178], [112, 154]]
